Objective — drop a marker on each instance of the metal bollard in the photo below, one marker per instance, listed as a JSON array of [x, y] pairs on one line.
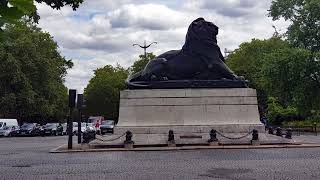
[[213, 136], [279, 131], [270, 130], [171, 142], [171, 136], [129, 138], [289, 134], [88, 136], [255, 135]]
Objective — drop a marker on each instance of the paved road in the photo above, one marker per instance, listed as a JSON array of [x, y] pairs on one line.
[[28, 158]]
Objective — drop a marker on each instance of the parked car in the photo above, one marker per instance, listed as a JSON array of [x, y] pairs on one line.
[[8, 123], [54, 129], [64, 128], [90, 127], [29, 129], [107, 126], [9, 131], [84, 127]]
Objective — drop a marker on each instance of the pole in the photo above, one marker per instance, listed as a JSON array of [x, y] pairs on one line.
[[79, 107], [72, 103], [79, 127], [70, 127], [145, 47]]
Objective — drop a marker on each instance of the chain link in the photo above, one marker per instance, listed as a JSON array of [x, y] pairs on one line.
[[234, 137], [107, 140]]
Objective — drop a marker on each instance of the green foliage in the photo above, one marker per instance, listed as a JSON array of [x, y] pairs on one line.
[[278, 114], [289, 75], [304, 31], [302, 123], [278, 70], [102, 92], [141, 62], [31, 74], [13, 10], [248, 61]]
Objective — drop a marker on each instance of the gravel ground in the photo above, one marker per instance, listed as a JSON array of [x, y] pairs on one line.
[[28, 158]]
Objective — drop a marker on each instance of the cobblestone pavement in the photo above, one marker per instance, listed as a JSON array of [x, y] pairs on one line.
[[28, 158]]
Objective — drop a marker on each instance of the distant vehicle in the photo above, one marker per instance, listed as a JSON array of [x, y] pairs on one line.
[[52, 129], [75, 128], [64, 128], [90, 127], [8, 122], [107, 126], [96, 121], [29, 129], [84, 127], [9, 131]]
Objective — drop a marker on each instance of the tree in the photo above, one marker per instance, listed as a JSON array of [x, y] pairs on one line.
[[248, 61], [141, 62], [288, 75], [304, 30], [13, 10], [280, 72], [304, 34], [31, 74], [102, 92]]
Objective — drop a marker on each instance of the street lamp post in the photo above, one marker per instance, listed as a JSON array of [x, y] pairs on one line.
[[227, 52], [145, 47]]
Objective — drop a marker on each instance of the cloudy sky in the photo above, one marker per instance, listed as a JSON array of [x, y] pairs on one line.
[[102, 32]]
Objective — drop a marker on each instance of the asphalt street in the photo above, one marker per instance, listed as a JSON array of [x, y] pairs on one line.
[[29, 158]]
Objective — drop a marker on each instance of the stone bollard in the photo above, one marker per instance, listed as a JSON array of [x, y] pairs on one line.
[[171, 142], [128, 143], [279, 131], [270, 130], [255, 137], [289, 134], [213, 141]]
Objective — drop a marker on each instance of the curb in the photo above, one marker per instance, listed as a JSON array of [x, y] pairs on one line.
[[59, 150]]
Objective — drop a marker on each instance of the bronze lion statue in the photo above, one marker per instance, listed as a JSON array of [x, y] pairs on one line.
[[198, 62]]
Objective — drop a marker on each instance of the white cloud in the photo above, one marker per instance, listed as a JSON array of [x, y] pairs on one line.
[[147, 16], [102, 32]]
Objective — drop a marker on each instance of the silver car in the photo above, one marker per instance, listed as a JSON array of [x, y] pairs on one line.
[[9, 131]]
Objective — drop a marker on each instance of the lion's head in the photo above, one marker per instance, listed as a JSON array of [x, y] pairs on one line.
[[202, 30]]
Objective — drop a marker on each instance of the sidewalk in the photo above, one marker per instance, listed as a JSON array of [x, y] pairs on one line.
[[302, 141], [307, 139]]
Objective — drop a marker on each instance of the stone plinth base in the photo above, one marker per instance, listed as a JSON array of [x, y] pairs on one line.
[[189, 129], [156, 111], [255, 142], [214, 143]]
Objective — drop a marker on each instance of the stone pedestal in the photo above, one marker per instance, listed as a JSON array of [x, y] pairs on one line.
[[128, 146], [255, 142], [171, 144], [214, 143], [156, 111]]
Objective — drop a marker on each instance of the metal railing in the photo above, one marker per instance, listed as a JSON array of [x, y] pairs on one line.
[[301, 130]]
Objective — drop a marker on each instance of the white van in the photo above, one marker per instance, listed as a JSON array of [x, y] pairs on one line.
[[8, 122]]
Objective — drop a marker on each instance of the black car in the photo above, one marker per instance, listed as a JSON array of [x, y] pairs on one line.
[[29, 129], [54, 129], [106, 126]]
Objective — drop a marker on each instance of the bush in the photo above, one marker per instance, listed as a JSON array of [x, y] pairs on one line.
[[277, 114]]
